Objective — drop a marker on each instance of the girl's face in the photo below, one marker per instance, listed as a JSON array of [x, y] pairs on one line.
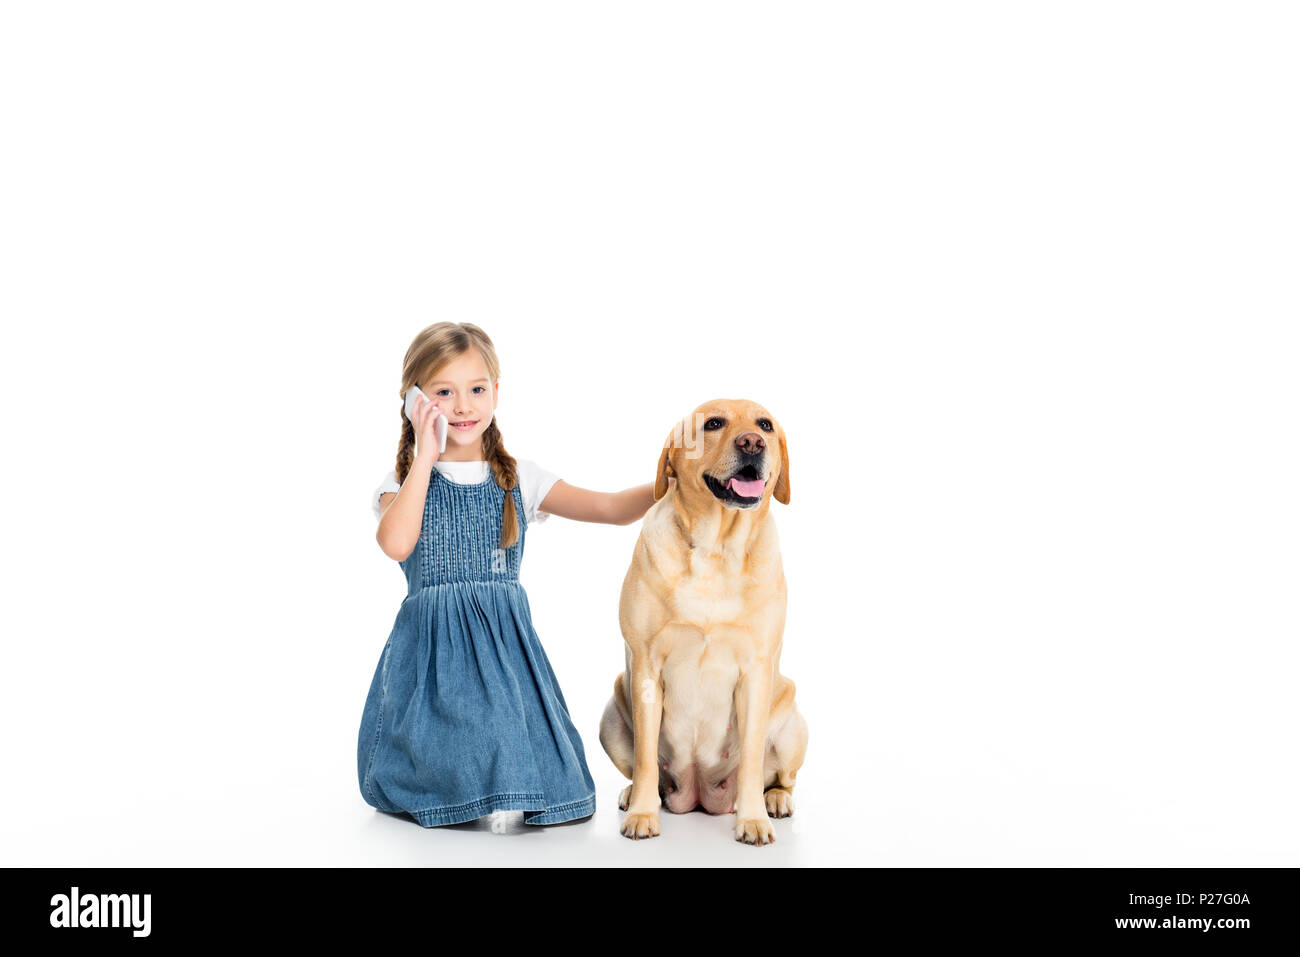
[[464, 394]]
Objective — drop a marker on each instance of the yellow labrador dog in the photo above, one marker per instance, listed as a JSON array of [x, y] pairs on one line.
[[702, 716]]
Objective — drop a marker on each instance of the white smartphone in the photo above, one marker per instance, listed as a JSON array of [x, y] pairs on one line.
[[439, 427]]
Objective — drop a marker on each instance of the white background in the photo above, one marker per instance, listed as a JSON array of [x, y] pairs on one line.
[[1018, 279]]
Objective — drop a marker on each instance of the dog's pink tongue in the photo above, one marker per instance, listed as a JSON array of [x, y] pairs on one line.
[[747, 489]]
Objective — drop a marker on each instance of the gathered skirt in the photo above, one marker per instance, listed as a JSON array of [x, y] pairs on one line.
[[465, 716]]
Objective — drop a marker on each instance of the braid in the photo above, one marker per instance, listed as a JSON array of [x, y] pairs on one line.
[[505, 468], [405, 448]]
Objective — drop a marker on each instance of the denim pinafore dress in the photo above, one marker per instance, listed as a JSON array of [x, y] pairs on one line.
[[464, 715]]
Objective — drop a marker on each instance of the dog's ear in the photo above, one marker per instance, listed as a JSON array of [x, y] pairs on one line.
[[782, 490], [665, 468]]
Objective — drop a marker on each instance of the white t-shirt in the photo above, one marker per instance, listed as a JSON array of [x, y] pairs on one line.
[[534, 484]]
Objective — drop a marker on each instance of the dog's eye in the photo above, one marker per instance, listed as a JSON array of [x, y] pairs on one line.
[[765, 425], [714, 424]]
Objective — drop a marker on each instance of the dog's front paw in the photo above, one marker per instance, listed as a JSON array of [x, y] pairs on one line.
[[637, 826], [755, 830], [780, 802], [624, 797]]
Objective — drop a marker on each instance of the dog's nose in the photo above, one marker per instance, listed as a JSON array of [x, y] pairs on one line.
[[750, 443]]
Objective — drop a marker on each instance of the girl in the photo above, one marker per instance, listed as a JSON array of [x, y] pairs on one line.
[[465, 718]]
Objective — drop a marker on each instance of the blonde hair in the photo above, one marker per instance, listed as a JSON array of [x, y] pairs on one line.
[[431, 350]]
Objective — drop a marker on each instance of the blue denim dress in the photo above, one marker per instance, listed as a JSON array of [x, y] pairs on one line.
[[464, 715]]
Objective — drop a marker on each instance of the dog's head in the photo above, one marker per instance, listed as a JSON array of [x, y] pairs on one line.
[[728, 450]]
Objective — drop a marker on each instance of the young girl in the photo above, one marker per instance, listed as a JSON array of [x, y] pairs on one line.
[[465, 718]]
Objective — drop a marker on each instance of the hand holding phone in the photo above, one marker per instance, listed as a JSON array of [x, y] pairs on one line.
[[414, 405]]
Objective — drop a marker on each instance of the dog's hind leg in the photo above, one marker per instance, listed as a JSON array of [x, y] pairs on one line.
[[616, 734]]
